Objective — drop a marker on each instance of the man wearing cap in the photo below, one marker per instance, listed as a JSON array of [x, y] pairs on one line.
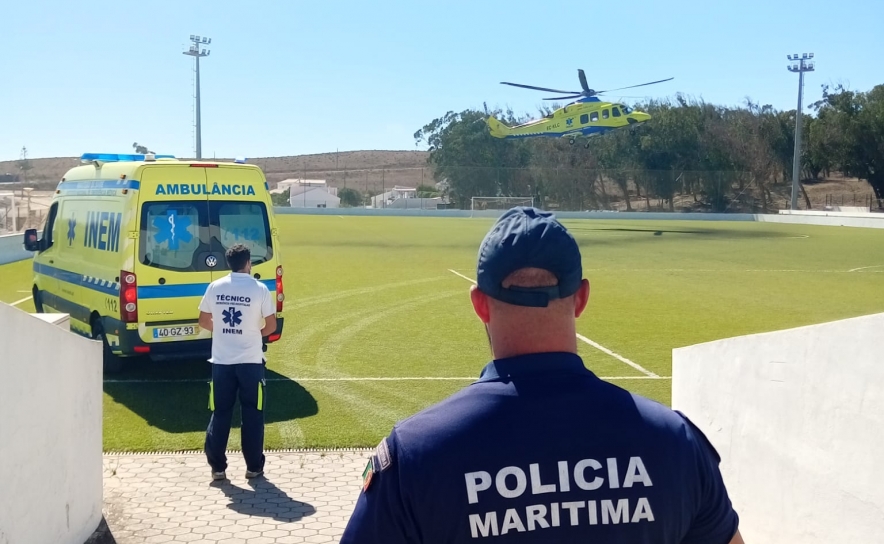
[[539, 449], [240, 311]]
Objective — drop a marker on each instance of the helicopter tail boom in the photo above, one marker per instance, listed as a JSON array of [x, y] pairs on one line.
[[498, 129]]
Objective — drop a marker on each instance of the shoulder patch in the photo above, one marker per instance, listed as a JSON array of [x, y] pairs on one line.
[[383, 453]]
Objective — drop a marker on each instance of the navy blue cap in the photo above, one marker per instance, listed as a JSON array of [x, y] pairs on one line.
[[526, 237]]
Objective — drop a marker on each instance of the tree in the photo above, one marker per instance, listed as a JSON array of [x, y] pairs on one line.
[[281, 199], [350, 198], [474, 163], [24, 164], [727, 158], [427, 191], [851, 128]]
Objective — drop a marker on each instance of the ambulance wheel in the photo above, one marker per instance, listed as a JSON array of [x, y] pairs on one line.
[[110, 362], [571, 141], [38, 302]]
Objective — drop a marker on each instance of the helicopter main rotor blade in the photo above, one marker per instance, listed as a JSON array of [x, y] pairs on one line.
[[583, 83], [536, 88], [634, 86], [564, 97]]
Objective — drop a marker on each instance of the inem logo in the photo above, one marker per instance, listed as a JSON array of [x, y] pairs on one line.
[[103, 230], [197, 189]]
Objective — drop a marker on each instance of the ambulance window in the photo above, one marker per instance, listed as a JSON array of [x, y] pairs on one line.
[[584, 119], [170, 234], [615, 112], [595, 116], [49, 226], [244, 223], [604, 114], [626, 109]]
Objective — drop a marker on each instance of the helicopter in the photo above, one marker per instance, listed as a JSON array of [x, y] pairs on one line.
[[586, 117]]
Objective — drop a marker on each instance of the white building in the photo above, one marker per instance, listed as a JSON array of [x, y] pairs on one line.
[[384, 200], [310, 193]]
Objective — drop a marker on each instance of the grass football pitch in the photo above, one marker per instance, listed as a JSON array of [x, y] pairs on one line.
[[379, 326]]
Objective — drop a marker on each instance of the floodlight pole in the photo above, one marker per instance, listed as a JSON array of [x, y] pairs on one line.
[[800, 64], [196, 53]]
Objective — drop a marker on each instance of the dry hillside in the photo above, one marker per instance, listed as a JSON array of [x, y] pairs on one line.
[[369, 170], [373, 171]]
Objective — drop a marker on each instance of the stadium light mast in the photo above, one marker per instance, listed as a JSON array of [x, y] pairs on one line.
[[196, 51], [799, 64]]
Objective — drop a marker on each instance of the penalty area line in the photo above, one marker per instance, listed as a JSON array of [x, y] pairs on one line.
[[596, 345]]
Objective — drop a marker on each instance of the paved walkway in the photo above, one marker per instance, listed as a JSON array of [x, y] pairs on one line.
[[303, 497]]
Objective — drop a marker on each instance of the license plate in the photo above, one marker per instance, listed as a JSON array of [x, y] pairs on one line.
[[166, 332]]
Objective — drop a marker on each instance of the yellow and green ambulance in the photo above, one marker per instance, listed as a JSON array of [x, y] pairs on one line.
[[131, 242]]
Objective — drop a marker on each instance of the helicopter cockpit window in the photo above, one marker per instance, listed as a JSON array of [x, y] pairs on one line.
[[604, 114], [594, 116], [626, 109], [615, 112], [584, 119]]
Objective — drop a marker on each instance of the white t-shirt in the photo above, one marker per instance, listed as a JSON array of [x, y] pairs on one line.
[[238, 304]]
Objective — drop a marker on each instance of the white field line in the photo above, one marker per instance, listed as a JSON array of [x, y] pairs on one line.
[[621, 358], [456, 273], [865, 267], [596, 345], [374, 379], [720, 270], [17, 302]]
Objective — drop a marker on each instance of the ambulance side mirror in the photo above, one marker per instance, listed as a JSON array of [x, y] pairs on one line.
[[31, 241]]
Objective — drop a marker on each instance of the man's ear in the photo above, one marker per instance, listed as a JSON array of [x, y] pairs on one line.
[[480, 304], [581, 297]]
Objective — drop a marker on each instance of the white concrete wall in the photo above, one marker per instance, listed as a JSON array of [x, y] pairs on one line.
[[798, 418], [50, 432], [872, 220], [837, 211], [12, 249]]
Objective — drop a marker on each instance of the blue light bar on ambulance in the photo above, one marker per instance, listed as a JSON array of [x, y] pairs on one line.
[[118, 157]]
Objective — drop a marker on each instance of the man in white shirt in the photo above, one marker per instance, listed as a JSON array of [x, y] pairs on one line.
[[240, 311]]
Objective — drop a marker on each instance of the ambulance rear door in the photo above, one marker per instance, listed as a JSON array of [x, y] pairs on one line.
[[238, 213], [175, 253]]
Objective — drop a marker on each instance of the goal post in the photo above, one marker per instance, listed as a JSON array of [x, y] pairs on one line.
[[502, 203]]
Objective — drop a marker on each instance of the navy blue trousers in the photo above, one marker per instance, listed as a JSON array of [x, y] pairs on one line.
[[228, 382]]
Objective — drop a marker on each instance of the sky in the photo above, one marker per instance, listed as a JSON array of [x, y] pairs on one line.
[[295, 77]]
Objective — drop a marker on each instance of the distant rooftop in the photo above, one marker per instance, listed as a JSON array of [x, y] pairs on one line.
[[298, 181]]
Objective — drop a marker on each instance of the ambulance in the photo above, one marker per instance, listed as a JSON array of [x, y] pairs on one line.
[[131, 242]]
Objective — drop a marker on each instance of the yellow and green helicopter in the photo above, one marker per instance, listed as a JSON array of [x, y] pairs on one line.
[[587, 116]]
